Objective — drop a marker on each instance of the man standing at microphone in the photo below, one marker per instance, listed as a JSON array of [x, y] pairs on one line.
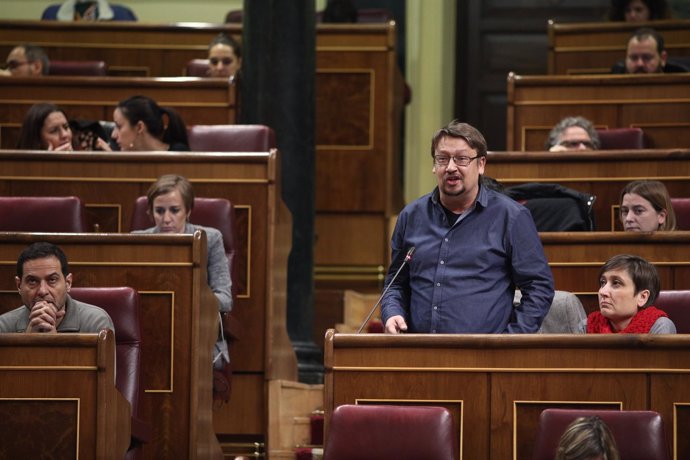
[[43, 281], [474, 246]]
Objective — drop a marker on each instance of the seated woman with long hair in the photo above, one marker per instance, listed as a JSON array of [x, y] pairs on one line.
[[45, 127], [645, 206], [142, 125], [628, 286]]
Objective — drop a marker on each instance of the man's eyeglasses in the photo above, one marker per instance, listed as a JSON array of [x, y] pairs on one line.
[[11, 65], [576, 143], [444, 160], [225, 61]]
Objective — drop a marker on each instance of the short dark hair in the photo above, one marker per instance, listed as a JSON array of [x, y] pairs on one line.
[[658, 9], [644, 275], [30, 135], [647, 32], [225, 39], [457, 129], [36, 53], [41, 250], [166, 184]]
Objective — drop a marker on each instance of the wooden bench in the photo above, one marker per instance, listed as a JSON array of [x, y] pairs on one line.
[[58, 391], [178, 318], [603, 173], [109, 183], [495, 386], [593, 47], [198, 100], [659, 104]]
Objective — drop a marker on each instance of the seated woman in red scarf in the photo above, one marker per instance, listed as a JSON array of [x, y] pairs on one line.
[[628, 285]]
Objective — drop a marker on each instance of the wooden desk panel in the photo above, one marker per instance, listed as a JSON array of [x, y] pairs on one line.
[[497, 385], [593, 47], [198, 100], [109, 183], [659, 104], [128, 48], [61, 389], [576, 257], [179, 320], [603, 173]]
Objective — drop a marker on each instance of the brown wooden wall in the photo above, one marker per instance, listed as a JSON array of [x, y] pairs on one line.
[[593, 47], [603, 173], [576, 257], [109, 183], [495, 386], [659, 104], [63, 387]]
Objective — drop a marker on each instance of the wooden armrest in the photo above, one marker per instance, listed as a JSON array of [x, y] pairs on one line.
[[231, 327]]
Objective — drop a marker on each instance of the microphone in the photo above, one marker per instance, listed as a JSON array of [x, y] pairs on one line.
[[408, 257]]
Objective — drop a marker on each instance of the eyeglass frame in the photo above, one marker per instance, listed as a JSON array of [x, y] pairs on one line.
[[455, 159], [11, 65]]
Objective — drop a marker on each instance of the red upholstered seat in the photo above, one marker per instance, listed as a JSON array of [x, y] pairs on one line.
[[681, 207], [363, 432], [621, 138], [197, 68], [78, 68], [122, 304], [639, 435], [65, 214], [231, 138], [676, 304]]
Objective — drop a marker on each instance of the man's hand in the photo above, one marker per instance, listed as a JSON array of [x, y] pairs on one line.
[[44, 317], [395, 325]]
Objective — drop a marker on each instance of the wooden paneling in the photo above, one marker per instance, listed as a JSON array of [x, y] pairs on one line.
[[128, 48], [58, 395], [603, 173], [109, 183], [496, 385], [593, 47], [659, 104], [178, 319], [198, 100], [576, 257]]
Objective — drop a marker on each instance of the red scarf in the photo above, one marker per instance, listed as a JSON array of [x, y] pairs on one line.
[[641, 323]]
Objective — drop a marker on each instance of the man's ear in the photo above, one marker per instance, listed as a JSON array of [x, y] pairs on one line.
[[18, 281], [663, 57], [68, 281]]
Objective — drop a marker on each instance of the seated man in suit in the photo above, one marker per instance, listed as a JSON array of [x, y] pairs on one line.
[[26, 60], [43, 281], [646, 54]]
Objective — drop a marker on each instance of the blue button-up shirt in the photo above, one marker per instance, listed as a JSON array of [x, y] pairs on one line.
[[462, 278]]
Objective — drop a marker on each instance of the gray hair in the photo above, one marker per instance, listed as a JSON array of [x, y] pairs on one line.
[[569, 122]]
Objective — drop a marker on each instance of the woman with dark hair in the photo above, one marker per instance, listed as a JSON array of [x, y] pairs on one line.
[[638, 10], [45, 127], [142, 125], [645, 206], [628, 287]]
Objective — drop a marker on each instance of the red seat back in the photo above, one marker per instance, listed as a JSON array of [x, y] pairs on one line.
[[681, 208], [621, 138], [65, 214], [387, 431], [230, 138], [639, 435], [78, 68], [676, 304]]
